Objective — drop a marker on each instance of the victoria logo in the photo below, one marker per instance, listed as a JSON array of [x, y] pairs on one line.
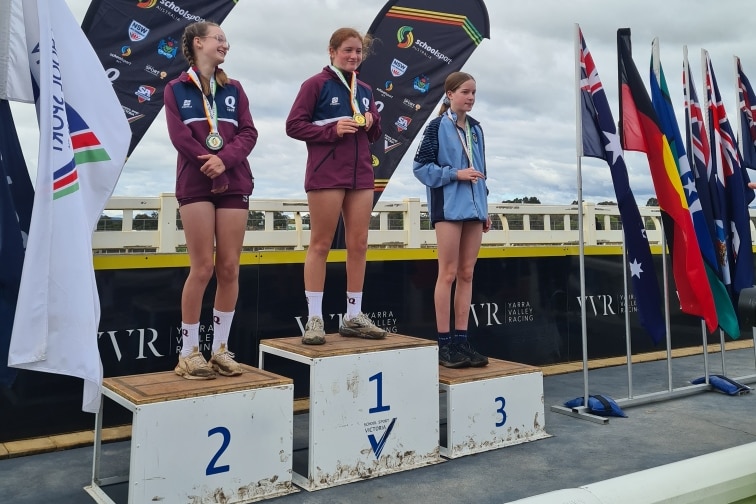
[[379, 444], [404, 37]]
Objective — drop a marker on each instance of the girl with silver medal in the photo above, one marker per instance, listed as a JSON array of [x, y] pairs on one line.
[[213, 185]]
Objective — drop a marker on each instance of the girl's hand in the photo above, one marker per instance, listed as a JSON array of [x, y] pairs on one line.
[[368, 120], [213, 165], [470, 174], [345, 126], [487, 225]]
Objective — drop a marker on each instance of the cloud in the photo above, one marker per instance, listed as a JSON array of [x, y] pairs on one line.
[[525, 78]]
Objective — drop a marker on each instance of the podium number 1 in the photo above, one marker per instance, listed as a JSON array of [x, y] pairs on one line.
[[379, 407], [211, 467]]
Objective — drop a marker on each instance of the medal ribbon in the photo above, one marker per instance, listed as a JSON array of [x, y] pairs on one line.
[[467, 146], [211, 112], [352, 88]]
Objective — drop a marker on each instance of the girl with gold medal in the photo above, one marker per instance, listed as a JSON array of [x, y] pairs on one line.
[[335, 115]]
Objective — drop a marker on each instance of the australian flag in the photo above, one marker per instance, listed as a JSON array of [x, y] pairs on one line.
[[747, 125], [16, 197], [710, 239], [600, 140], [730, 182]]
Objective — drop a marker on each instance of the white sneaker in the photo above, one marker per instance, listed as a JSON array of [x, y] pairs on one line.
[[223, 362], [314, 333], [361, 326], [194, 367]]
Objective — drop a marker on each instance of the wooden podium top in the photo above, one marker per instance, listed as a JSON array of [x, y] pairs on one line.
[[168, 386], [495, 369], [337, 345]]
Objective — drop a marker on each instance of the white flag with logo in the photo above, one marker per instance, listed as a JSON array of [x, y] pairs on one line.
[[15, 83], [84, 138]]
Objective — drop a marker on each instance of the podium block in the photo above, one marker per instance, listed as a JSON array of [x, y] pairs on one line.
[[491, 407], [224, 440], [373, 406]]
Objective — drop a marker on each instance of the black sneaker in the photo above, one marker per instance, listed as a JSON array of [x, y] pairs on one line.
[[476, 359], [449, 356]]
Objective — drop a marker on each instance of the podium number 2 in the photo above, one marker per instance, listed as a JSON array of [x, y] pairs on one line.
[[501, 402], [379, 407], [211, 467]]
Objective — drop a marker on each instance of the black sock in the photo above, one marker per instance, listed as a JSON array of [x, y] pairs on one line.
[[460, 336], [444, 338]]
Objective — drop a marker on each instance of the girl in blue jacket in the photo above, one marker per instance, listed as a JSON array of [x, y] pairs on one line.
[[451, 163]]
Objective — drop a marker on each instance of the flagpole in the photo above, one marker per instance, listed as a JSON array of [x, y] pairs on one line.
[[716, 146], [740, 151], [581, 242], [739, 123], [656, 63], [628, 342], [689, 124]]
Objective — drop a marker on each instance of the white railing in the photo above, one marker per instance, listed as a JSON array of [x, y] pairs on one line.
[[283, 225]]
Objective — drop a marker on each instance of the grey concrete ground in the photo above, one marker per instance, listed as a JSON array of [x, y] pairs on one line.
[[578, 453]]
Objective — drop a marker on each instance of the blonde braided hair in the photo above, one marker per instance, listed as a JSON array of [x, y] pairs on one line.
[[200, 29]]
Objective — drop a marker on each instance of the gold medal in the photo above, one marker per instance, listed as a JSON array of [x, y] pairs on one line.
[[359, 119], [214, 141]]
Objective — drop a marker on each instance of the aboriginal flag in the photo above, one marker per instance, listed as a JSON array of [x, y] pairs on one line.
[[640, 130]]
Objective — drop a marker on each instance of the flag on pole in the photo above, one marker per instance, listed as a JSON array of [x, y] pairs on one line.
[[84, 138], [641, 131], [600, 140], [14, 85], [139, 45], [16, 196], [730, 183], [418, 43], [747, 101], [698, 144], [726, 317]]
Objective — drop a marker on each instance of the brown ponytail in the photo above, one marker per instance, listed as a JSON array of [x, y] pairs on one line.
[[452, 83]]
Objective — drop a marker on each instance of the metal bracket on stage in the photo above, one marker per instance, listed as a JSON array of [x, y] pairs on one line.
[[580, 412]]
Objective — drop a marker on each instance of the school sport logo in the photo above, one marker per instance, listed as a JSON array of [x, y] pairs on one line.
[[404, 37], [378, 444], [87, 148]]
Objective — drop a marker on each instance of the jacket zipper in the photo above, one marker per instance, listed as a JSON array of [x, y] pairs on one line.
[[356, 160]]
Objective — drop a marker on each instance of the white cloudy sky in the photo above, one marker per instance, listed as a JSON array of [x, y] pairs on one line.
[[525, 78]]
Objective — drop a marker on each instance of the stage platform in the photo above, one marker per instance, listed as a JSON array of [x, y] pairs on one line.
[[577, 453]]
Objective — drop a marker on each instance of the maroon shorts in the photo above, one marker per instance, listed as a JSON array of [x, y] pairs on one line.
[[240, 201]]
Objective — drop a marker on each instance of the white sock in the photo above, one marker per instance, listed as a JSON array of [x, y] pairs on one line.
[[189, 338], [314, 304], [354, 304], [221, 328]]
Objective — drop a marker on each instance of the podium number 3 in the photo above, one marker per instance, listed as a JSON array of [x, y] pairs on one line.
[[211, 467], [501, 402]]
